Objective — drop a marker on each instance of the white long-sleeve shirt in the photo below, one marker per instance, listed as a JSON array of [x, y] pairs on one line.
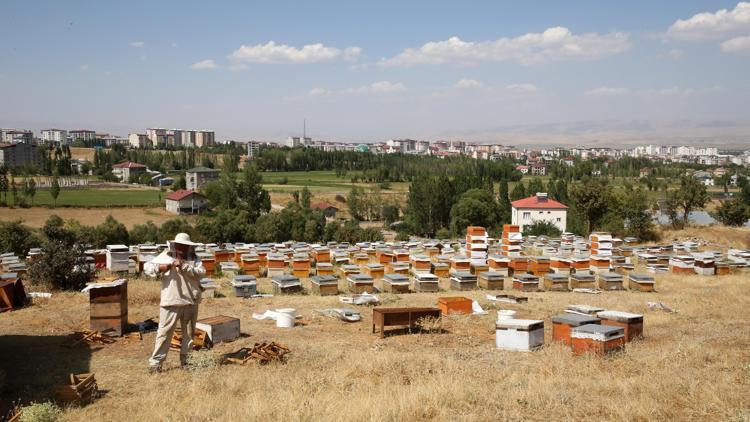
[[179, 286]]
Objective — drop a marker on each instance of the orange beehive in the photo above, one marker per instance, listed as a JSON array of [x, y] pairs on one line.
[[275, 261], [597, 339], [209, 262], [632, 324], [559, 262], [324, 268], [301, 262], [476, 231], [262, 254], [496, 262], [385, 257], [223, 255], [460, 263], [250, 263], [375, 271], [519, 264], [441, 269], [398, 268], [477, 268], [454, 305], [580, 263], [361, 258], [238, 252], [321, 255], [421, 263], [510, 228], [538, 265], [401, 256]]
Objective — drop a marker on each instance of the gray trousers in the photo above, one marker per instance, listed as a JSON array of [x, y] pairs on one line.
[[169, 316]]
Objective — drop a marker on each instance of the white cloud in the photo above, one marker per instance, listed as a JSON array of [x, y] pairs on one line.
[[469, 83], [675, 54], [709, 25], [380, 87], [137, 44], [521, 88], [651, 92], [84, 68], [736, 45], [555, 43], [207, 64], [281, 53]]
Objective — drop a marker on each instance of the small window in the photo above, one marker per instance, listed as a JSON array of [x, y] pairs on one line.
[[526, 215], [558, 219], [549, 212]]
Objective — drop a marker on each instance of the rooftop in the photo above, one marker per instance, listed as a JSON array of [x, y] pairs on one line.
[[128, 165], [539, 201], [181, 194]]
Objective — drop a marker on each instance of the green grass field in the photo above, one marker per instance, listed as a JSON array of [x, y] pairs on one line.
[[316, 181], [102, 198]]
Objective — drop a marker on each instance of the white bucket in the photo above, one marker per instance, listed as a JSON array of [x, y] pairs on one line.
[[285, 317], [505, 314]]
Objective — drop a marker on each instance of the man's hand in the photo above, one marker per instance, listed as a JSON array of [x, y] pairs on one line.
[[177, 263]]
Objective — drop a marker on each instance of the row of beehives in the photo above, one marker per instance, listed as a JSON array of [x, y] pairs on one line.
[[358, 283], [585, 329]]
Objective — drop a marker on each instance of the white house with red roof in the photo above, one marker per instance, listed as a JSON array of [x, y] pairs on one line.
[[185, 201], [128, 170], [539, 207]]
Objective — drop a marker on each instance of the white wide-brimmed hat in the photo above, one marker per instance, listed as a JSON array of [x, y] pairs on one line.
[[184, 239]]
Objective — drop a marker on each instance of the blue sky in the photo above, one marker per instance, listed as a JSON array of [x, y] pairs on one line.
[[519, 72]]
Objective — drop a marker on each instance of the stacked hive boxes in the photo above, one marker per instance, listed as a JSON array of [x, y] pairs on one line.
[[682, 264], [117, 258], [476, 245], [601, 243], [510, 244]]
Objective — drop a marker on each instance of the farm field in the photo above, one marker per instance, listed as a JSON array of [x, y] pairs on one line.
[[691, 365], [135, 197], [36, 216]]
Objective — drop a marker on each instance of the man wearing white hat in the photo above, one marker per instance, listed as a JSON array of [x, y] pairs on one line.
[[181, 272]]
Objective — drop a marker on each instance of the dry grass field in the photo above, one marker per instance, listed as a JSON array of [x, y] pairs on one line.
[[691, 365], [36, 216]]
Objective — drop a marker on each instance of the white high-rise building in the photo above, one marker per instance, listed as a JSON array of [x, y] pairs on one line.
[[55, 136]]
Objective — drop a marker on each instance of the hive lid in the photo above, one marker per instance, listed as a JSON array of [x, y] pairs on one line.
[[324, 279], [584, 309], [611, 276], [491, 275], [526, 277], [582, 277], [520, 324], [641, 278], [619, 316], [395, 277], [557, 277], [575, 320], [598, 332], [360, 277]]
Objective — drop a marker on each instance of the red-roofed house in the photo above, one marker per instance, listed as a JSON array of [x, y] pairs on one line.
[[328, 210], [539, 208], [186, 202], [128, 170]]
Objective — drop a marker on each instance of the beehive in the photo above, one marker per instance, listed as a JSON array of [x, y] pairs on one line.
[[477, 268], [421, 263], [324, 285], [301, 265], [441, 269], [563, 324], [584, 309], [581, 280], [250, 264], [599, 263], [321, 254], [324, 268], [463, 280], [519, 334], [398, 268], [559, 265], [641, 282], [208, 261], [525, 283], [375, 271], [425, 282], [682, 264], [108, 307], [556, 283], [597, 339], [539, 265], [244, 285], [460, 263], [610, 281], [401, 255], [360, 283], [491, 280], [519, 264], [395, 283], [631, 323], [284, 284]]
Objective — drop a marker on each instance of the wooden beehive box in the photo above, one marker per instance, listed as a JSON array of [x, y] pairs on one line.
[[723, 268], [556, 283], [375, 271], [641, 282], [539, 265], [401, 255], [324, 285], [597, 339], [284, 284], [220, 328], [519, 334], [360, 283], [244, 285], [395, 283], [581, 280], [611, 281], [518, 264], [491, 280], [348, 269], [631, 323], [526, 283], [462, 280], [108, 308], [455, 305], [321, 255], [398, 268], [421, 263], [563, 324], [477, 268], [441, 269], [324, 268], [425, 282]]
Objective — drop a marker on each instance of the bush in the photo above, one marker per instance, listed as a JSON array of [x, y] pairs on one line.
[[41, 412], [17, 238], [443, 233], [62, 266], [541, 228], [402, 236], [732, 213], [284, 180]]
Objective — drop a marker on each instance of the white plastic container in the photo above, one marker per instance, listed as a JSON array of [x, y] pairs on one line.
[[285, 317], [505, 314]]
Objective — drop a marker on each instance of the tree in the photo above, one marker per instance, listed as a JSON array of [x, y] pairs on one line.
[[61, 266], [591, 198], [54, 189], [390, 213], [144, 233], [13, 190], [305, 197], [355, 200], [111, 232], [732, 213], [518, 192], [504, 205], [723, 181], [476, 207], [16, 237], [251, 195], [632, 206], [541, 228], [4, 184], [690, 195], [535, 186]]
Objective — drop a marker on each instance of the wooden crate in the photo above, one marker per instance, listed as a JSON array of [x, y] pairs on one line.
[[455, 305], [80, 389], [556, 283], [108, 308], [220, 328]]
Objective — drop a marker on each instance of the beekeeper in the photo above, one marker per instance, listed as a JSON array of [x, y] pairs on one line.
[[180, 271]]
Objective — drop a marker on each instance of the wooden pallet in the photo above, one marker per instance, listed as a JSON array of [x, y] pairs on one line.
[[91, 337], [200, 340]]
